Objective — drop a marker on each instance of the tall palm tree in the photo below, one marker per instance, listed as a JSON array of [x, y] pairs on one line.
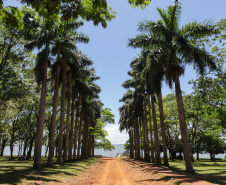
[[129, 121], [79, 74], [140, 91], [62, 112], [64, 45], [154, 74], [86, 90], [41, 40], [179, 51], [68, 117], [91, 109], [141, 65], [54, 114]]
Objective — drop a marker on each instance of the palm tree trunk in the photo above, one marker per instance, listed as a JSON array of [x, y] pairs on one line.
[[183, 126], [93, 145], [68, 119], [137, 139], [144, 137], [72, 122], [157, 149], [165, 163], [141, 141], [89, 144], [53, 123], [85, 140], [76, 130], [41, 119], [63, 93], [151, 131], [146, 130], [79, 135], [130, 144]]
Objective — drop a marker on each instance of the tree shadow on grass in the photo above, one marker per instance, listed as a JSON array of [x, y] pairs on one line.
[[217, 181], [16, 176], [25, 172], [164, 178]]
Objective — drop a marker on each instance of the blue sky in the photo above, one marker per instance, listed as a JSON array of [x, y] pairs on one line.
[[108, 47]]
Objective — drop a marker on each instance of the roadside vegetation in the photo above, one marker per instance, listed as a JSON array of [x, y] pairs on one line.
[[48, 90], [179, 125]]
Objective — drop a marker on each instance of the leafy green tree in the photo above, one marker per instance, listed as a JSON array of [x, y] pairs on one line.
[[141, 3], [98, 11], [107, 117], [100, 135], [12, 58]]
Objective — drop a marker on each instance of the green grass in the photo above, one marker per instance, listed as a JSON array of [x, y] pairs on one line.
[[25, 173], [203, 167]]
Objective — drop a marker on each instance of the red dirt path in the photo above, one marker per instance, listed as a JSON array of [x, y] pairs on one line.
[[116, 171]]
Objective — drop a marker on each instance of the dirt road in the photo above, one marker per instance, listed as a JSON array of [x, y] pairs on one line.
[[115, 171]]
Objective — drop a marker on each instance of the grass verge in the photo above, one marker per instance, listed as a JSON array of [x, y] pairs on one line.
[[19, 172], [214, 172]]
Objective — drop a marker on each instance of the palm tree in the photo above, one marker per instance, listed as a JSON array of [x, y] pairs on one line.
[[68, 117], [86, 89], [64, 47], [91, 110], [53, 119], [129, 120], [41, 40], [140, 91], [178, 51], [78, 66], [62, 108], [154, 74]]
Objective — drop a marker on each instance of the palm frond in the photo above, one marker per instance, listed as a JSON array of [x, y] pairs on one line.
[[143, 41], [164, 17], [174, 11], [196, 30]]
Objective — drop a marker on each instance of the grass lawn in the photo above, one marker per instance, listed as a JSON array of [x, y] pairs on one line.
[[203, 167], [25, 173]]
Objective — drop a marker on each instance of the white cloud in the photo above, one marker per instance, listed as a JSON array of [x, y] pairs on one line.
[[115, 136]]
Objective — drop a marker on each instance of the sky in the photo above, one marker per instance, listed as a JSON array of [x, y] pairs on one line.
[[108, 48]]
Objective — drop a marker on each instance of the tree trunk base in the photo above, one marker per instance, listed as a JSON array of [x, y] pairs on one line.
[[189, 171], [166, 164]]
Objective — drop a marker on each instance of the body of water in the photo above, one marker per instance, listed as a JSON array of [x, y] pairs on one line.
[[119, 149]]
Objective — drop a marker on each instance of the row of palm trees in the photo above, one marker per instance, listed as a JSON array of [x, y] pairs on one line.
[[166, 49], [55, 41]]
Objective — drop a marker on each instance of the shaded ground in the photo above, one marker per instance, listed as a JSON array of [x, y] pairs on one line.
[[22, 172], [116, 171], [183, 178]]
